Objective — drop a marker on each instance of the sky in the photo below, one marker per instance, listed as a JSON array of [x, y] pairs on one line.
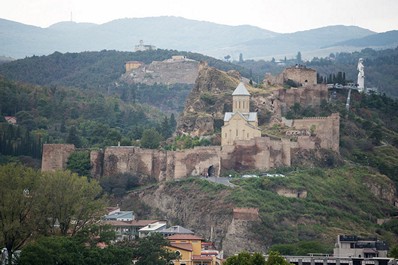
[[283, 16]]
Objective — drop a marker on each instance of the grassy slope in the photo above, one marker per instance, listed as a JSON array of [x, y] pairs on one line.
[[337, 202]]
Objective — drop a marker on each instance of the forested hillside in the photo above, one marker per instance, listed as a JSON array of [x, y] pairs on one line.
[[97, 70], [86, 118]]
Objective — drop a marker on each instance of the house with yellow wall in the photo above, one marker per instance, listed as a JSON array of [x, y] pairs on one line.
[[240, 124], [190, 249]]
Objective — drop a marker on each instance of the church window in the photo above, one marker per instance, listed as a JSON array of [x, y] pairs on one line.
[[236, 132]]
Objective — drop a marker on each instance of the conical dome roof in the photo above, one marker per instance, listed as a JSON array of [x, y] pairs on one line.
[[241, 90]]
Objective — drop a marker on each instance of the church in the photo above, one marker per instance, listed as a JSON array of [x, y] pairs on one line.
[[240, 124]]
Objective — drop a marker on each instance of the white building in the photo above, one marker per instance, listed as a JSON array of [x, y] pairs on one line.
[[353, 246]]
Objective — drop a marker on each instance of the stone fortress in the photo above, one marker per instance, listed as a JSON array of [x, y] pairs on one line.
[[243, 147]]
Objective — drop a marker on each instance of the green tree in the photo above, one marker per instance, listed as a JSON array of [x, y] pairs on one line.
[[69, 201], [18, 206], [73, 137], [393, 253], [274, 258], [150, 139], [245, 258], [240, 57], [152, 250], [79, 163], [298, 58], [173, 122], [72, 251]]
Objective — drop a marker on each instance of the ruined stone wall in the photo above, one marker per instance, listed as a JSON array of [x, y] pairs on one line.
[[305, 96], [260, 153], [304, 76], [55, 156], [300, 75], [163, 165], [248, 214], [326, 130], [97, 160]]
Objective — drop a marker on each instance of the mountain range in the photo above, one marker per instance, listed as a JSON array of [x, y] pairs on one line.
[[20, 40]]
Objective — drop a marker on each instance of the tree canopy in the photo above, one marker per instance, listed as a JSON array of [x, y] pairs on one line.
[[152, 250], [34, 203]]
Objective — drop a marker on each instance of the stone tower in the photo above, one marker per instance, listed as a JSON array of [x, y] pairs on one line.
[[241, 99]]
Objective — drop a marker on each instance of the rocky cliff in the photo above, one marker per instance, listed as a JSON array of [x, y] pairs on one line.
[[208, 101], [168, 72], [201, 207]]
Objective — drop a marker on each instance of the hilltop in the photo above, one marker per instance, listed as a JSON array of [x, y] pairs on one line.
[[177, 33]]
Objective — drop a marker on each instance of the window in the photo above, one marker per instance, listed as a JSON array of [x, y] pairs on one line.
[[236, 132]]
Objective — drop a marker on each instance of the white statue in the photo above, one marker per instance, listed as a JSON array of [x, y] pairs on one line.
[[361, 75]]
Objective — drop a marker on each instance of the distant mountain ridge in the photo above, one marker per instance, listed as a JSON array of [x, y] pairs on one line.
[[385, 39], [20, 40]]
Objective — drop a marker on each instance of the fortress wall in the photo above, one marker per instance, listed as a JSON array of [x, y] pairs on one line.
[[326, 129], [97, 162], [260, 153], [305, 143], [55, 156], [197, 161], [300, 75], [305, 96], [163, 165]]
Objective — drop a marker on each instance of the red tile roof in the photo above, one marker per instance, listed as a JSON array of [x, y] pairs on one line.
[[184, 246], [184, 237]]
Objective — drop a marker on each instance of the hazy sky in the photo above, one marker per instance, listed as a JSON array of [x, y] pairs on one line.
[[276, 15]]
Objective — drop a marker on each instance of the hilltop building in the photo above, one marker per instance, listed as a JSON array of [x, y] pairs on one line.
[[240, 124], [143, 47]]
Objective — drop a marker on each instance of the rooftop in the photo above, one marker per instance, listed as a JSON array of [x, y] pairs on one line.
[[251, 116], [184, 237], [120, 215], [176, 230], [241, 90], [184, 246], [153, 226]]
